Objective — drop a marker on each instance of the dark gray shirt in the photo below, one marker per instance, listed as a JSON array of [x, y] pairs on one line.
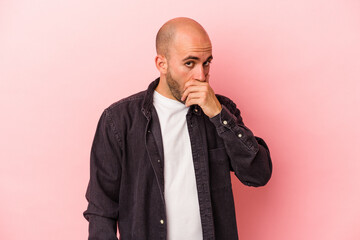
[[126, 187]]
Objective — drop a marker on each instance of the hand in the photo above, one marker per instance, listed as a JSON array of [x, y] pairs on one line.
[[200, 93]]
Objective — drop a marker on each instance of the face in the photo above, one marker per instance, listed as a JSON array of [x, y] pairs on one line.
[[189, 58], [174, 87]]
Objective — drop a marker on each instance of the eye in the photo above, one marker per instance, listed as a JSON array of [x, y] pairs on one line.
[[207, 63], [189, 64]]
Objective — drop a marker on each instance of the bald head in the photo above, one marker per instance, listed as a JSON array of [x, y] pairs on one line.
[[173, 28]]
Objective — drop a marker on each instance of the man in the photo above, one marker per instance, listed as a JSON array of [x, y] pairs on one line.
[[161, 159]]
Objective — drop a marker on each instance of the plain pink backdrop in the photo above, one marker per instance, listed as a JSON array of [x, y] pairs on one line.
[[293, 68]]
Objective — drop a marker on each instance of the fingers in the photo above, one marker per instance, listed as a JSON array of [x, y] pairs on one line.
[[201, 93], [193, 89], [195, 98], [194, 83]]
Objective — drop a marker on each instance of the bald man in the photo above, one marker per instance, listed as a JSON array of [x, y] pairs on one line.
[[161, 159]]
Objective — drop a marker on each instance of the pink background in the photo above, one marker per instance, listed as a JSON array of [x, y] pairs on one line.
[[293, 68]]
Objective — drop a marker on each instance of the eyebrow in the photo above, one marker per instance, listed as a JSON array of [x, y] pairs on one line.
[[196, 58]]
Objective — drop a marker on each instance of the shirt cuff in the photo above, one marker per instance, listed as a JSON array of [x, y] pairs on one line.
[[225, 121]]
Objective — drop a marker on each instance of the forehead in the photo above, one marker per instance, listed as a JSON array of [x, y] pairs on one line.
[[191, 44]]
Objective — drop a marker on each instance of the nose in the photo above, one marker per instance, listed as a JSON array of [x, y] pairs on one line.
[[200, 74]]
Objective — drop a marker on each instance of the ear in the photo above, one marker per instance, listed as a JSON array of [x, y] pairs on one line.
[[161, 64]]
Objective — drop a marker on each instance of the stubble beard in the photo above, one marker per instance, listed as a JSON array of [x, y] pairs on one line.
[[174, 87]]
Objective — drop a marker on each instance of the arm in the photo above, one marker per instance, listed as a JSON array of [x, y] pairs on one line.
[[249, 155], [103, 189]]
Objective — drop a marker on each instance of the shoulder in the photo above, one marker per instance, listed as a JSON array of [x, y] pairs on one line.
[[222, 98], [227, 102], [134, 99], [124, 113]]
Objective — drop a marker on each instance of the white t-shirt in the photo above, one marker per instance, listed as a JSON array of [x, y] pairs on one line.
[[181, 198]]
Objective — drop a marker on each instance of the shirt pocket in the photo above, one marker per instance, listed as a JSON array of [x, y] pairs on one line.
[[219, 169]]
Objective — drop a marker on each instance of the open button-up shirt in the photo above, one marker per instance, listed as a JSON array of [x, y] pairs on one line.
[[126, 187]]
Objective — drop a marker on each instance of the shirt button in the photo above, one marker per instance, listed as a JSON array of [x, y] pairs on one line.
[[239, 135], [196, 110], [162, 221], [225, 122], [158, 160]]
